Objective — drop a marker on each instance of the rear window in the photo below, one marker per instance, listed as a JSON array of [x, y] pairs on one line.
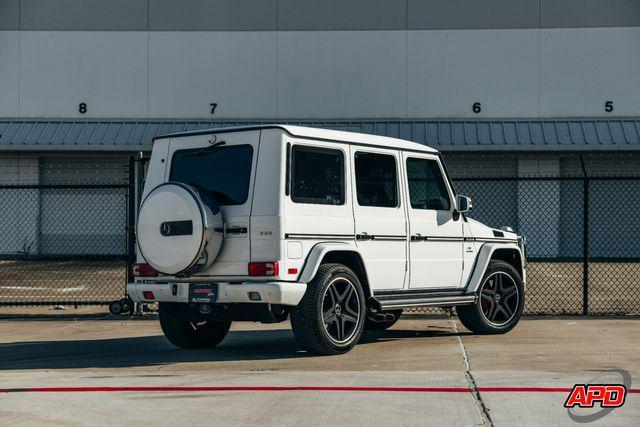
[[376, 181], [317, 175], [225, 172]]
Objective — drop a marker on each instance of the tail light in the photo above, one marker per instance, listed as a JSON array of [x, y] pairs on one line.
[[143, 270], [263, 268]]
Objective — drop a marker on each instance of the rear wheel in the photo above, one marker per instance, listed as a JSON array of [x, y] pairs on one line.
[[500, 301], [184, 332], [330, 317], [392, 317]]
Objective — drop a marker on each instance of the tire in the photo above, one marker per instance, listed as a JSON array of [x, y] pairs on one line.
[[183, 332], [370, 325], [333, 286], [500, 301]]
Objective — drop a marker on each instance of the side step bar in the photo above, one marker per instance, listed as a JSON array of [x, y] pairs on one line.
[[389, 304]]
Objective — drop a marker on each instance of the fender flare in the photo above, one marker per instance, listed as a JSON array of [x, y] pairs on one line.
[[318, 252], [482, 262]]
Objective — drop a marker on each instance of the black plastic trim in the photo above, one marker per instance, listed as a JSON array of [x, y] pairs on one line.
[[300, 236]]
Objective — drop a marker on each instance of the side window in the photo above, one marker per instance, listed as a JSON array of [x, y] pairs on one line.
[[427, 189], [317, 175], [376, 180]]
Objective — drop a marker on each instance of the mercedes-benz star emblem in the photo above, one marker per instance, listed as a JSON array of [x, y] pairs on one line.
[[165, 229]]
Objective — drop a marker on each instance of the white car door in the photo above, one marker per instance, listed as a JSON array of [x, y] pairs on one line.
[[436, 231], [380, 217]]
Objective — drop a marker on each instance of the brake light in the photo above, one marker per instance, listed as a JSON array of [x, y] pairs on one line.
[[143, 270], [263, 268], [148, 295]]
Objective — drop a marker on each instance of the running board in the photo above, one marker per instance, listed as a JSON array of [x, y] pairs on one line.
[[389, 304]]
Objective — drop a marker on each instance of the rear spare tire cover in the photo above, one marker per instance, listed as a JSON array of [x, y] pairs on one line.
[[176, 229]]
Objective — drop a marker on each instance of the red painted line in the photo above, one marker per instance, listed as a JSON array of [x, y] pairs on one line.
[[536, 389], [235, 388], [291, 388]]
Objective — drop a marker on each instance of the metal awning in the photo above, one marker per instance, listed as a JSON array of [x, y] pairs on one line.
[[445, 135]]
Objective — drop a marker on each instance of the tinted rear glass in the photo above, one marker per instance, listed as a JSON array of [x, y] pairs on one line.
[[318, 175], [225, 172], [376, 183]]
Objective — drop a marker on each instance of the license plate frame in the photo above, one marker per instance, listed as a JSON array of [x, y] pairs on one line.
[[203, 293]]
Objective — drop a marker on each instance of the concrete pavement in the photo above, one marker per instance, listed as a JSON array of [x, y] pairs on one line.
[[416, 353]]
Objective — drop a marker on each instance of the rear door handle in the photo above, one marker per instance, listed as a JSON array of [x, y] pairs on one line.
[[237, 230], [231, 230], [418, 238]]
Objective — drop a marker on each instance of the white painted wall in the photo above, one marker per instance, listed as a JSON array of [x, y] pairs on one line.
[[9, 73], [451, 70], [107, 70], [583, 68], [342, 74], [321, 74], [188, 71]]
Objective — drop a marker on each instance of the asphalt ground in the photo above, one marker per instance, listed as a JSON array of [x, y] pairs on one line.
[[423, 371]]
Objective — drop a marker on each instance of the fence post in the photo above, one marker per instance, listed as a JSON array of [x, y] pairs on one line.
[[585, 247], [131, 206]]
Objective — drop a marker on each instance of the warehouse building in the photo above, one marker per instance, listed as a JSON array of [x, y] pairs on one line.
[[501, 87]]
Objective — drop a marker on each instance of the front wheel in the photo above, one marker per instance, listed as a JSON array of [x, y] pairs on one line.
[[330, 317], [500, 301], [184, 332]]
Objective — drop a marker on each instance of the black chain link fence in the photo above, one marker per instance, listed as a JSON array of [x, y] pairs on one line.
[[582, 237], [69, 244], [65, 241], [63, 244]]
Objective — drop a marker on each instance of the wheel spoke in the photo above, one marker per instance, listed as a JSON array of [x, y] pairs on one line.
[[496, 310], [349, 318], [498, 286], [490, 309], [346, 294], [488, 291], [509, 292], [507, 310], [340, 328], [333, 293], [328, 314]]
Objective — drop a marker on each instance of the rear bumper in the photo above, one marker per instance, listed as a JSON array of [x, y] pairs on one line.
[[284, 293]]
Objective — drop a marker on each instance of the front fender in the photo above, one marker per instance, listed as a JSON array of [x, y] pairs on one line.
[[482, 262], [316, 255]]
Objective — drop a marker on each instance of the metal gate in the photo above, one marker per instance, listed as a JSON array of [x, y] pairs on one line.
[[66, 243]]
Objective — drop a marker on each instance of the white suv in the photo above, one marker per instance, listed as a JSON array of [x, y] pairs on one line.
[[338, 231]]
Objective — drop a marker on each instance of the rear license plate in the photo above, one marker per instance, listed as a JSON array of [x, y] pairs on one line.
[[204, 293]]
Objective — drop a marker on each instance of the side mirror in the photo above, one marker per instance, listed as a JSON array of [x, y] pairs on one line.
[[463, 204]]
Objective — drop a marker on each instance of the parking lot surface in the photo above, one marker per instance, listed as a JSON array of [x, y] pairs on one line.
[[423, 371]]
